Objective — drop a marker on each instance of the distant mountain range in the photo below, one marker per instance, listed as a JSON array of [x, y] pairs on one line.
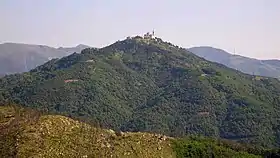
[[17, 58], [269, 68]]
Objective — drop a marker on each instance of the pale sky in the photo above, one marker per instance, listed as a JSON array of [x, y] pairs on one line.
[[251, 27]]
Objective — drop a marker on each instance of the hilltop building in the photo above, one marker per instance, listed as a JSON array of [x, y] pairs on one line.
[[149, 35]]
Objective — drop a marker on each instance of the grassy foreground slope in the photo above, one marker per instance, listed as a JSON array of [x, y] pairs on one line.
[[149, 85], [26, 133]]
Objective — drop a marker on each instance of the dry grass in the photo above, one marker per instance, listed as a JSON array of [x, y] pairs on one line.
[[59, 136]]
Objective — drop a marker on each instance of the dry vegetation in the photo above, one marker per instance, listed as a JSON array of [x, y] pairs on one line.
[[59, 136]]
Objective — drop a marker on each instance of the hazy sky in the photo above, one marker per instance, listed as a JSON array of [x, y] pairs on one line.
[[251, 27]]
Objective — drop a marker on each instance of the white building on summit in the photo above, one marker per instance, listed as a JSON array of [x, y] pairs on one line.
[[149, 35]]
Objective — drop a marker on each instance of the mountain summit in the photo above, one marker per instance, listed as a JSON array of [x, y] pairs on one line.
[[149, 85]]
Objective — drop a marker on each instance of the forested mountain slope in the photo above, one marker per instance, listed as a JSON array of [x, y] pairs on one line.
[[150, 85]]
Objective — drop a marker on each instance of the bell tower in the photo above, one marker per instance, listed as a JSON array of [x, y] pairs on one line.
[[153, 34]]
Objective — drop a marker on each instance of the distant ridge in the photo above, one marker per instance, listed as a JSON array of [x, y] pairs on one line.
[[268, 68], [19, 57]]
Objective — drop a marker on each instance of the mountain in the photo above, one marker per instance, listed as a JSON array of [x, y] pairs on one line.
[[148, 85], [17, 58], [269, 68], [28, 133], [275, 63], [77, 49]]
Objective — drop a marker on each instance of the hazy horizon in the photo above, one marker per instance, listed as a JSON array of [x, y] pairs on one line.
[[251, 27]]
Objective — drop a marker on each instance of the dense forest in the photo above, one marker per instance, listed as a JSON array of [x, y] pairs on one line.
[[149, 85]]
